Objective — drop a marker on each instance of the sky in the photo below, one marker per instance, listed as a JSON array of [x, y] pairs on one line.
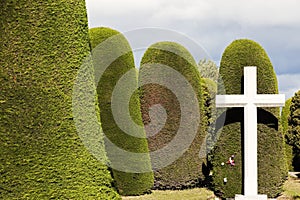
[[213, 25]]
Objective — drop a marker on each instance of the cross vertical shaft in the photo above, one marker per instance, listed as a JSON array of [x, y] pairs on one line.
[[250, 134]]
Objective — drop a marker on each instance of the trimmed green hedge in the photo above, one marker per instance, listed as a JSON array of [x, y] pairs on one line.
[[208, 69], [186, 171], [43, 44], [119, 52], [271, 160], [293, 135], [285, 114], [209, 90]]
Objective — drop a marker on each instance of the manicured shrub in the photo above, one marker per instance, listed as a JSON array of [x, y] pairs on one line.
[[209, 90], [119, 52], [285, 113], [271, 160], [208, 69], [186, 171], [43, 44], [293, 135], [209, 77]]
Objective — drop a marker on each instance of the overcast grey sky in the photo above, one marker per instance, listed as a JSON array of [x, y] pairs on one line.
[[214, 24]]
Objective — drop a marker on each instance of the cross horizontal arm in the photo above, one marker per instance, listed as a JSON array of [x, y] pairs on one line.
[[259, 100], [269, 100], [232, 100]]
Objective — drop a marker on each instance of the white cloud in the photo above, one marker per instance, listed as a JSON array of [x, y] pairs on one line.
[[189, 10], [275, 24], [288, 84], [115, 8], [258, 12], [254, 12]]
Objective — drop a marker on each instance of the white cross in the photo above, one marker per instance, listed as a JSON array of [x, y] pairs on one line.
[[250, 100]]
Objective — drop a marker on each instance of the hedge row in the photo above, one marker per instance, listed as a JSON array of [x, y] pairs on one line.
[[208, 69], [209, 76], [271, 160], [42, 46], [285, 114], [113, 54], [293, 135], [186, 171]]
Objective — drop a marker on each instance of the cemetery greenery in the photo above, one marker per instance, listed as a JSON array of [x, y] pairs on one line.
[[293, 135], [43, 44], [272, 170], [186, 171], [42, 157], [127, 183], [208, 69], [209, 77], [209, 90], [285, 114]]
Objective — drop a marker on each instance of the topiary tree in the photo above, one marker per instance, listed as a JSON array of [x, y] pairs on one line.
[[209, 90], [160, 66], [271, 160], [208, 69], [285, 113], [293, 135], [209, 77], [43, 44], [116, 61]]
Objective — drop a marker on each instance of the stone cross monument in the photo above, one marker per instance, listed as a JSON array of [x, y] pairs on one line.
[[250, 100]]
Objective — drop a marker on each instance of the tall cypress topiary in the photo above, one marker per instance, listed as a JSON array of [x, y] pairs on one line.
[[271, 159], [209, 77], [285, 114], [43, 44], [293, 134], [209, 90], [159, 66], [208, 69], [116, 64]]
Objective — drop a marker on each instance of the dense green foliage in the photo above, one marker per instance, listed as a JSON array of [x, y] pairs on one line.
[[294, 122], [43, 44], [271, 159], [186, 170], [118, 51], [209, 77], [208, 69], [285, 113], [293, 135], [209, 90]]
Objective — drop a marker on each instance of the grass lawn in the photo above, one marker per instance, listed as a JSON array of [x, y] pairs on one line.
[[291, 192], [291, 189], [193, 194]]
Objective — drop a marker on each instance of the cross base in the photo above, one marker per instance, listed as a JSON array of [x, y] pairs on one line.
[[254, 197]]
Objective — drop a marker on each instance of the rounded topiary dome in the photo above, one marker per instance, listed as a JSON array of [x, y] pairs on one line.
[[117, 60], [186, 171], [271, 159], [293, 133], [43, 44]]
